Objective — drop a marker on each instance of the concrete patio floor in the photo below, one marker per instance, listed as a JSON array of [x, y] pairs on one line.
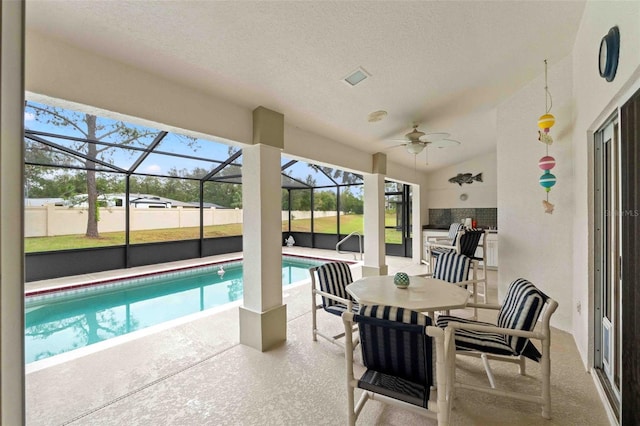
[[193, 371]]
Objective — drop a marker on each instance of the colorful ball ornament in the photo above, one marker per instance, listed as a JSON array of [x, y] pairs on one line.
[[546, 121], [547, 162], [547, 180]]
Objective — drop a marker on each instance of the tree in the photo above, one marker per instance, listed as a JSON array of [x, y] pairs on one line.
[[41, 184], [324, 201], [93, 130], [146, 185], [349, 203], [225, 193], [338, 175], [88, 326]]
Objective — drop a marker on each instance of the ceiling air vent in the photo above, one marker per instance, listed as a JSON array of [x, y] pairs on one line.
[[357, 76]]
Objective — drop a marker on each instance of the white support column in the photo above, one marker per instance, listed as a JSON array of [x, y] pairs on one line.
[[263, 316], [374, 241], [12, 406]]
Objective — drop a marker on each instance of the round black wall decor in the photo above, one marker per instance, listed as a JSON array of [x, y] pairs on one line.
[[609, 54]]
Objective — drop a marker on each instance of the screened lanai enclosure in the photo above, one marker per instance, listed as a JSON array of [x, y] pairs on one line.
[[104, 194]]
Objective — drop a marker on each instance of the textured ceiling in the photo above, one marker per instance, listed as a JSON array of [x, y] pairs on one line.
[[443, 64]]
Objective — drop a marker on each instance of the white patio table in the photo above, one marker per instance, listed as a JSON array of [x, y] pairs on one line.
[[422, 294]]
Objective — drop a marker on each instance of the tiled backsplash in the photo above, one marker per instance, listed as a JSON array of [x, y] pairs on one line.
[[486, 217]]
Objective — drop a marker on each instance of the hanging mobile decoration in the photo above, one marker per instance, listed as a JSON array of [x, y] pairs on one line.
[[546, 163]]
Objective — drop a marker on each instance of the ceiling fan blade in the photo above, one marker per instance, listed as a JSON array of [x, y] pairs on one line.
[[444, 143], [434, 137], [395, 146], [417, 141]]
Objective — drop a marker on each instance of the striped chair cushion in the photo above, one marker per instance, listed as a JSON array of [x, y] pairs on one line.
[[481, 341], [397, 353], [453, 231], [469, 241], [392, 313], [437, 251], [334, 277], [468, 340], [520, 311], [339, 308], [452, 267]]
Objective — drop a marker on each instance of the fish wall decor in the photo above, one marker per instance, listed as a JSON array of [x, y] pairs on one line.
[[466, 178]]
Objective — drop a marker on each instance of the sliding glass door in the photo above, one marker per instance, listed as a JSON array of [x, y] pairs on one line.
[[608, 260]]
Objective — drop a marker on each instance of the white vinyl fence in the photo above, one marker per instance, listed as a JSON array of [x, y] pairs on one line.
[[50, 220]]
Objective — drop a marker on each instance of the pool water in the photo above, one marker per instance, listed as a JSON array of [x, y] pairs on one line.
[[67, 320]]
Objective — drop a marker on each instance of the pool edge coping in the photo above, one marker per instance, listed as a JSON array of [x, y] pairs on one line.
[[96, 282]]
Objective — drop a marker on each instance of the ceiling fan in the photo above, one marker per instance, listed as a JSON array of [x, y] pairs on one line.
[[416, 141]]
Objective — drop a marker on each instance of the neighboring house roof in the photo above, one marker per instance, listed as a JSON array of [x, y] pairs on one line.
[[154, 198], [210, 205], [149, 199], [38, 202]]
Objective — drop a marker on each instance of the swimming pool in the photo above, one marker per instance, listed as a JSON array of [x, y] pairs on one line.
[[62, 321]]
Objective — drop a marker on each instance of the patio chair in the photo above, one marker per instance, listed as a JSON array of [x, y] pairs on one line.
[[450, 239], [398, 351], [455, 268], [466, 243], [508, 340], [333, 278]]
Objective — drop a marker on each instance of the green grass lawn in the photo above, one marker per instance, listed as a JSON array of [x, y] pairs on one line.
[[348, 224], [65, 242], [326, 225]]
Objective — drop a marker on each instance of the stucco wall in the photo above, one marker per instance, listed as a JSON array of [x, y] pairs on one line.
[[61, 71], [556, 251], [442, 194], [533, 244], [594, 100]]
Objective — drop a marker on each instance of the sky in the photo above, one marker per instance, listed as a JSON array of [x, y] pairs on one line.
[[156, 164], [210, 152]]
